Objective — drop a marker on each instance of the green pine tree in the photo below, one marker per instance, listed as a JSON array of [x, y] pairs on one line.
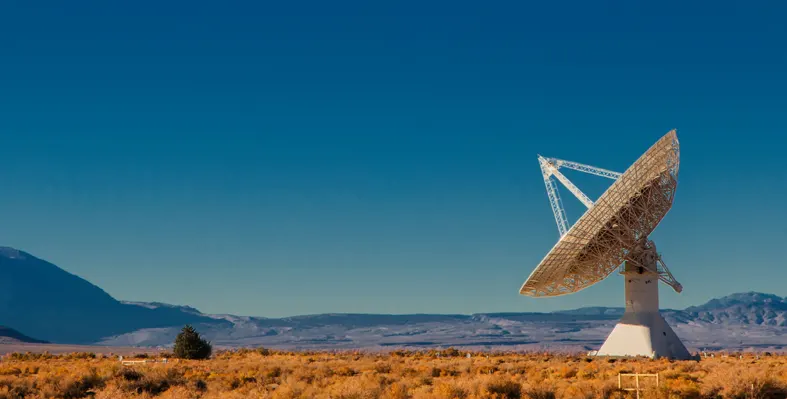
[[189, 345]]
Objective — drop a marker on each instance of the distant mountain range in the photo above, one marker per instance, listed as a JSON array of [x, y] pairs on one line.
[[43, 301], [11, 336]]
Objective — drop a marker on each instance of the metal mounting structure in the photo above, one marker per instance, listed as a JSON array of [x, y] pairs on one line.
[[613, 234], [647, 257]]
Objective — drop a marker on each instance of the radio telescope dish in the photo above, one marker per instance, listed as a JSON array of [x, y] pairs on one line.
[[613, 233]]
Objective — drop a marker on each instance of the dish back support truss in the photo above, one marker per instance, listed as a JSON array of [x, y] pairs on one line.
[[645, 256]]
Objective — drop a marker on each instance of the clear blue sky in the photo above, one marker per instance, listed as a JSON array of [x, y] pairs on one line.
[[381, 157]]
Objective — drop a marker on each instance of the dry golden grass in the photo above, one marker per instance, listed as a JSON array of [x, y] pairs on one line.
[[265, 374]]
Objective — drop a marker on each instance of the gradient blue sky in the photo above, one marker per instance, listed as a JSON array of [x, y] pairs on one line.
[[266, 159]]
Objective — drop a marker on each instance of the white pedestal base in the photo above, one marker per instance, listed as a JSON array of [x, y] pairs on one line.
[[642, 331], [644, 335]]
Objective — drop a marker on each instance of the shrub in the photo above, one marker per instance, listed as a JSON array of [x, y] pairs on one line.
[[382, 368], [80, 355], [450, 352], [264, 351], [540, 393], [274, 372], [345, 371], [83, 386], [396, 391], [190, 345], [15, 389], [154, 383], [449, 391], [128, 374], [505, 390]]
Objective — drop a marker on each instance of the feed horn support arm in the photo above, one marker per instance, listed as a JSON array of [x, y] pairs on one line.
[[560, 163], [549, 168], [554, 198]]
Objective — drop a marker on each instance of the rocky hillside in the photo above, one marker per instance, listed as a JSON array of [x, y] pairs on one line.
[[49, 303], [11, 336], [750, 308]]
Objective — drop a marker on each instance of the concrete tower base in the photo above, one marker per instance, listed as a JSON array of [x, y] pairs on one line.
[[642, 331]]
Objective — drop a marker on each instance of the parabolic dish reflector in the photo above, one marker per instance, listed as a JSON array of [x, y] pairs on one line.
[[626, 214]]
